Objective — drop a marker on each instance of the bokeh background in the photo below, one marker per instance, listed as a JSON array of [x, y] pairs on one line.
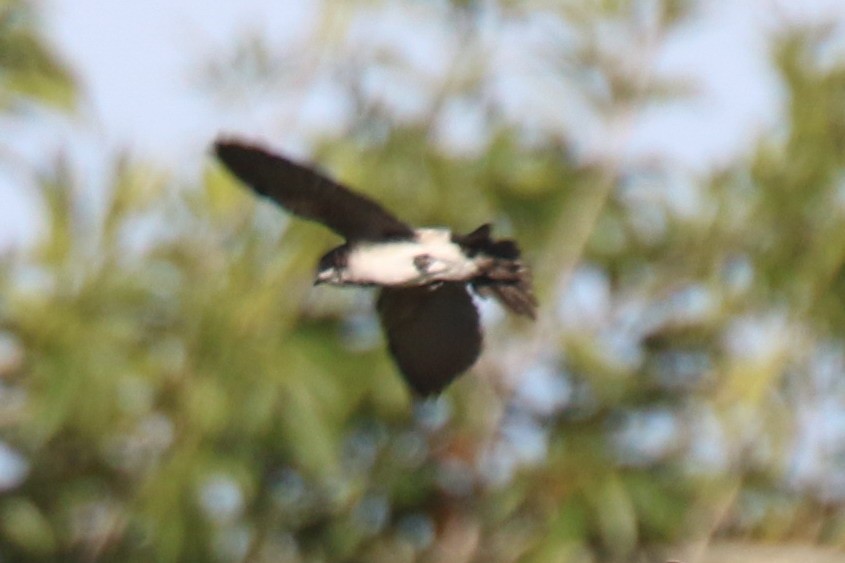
[[173, 389]]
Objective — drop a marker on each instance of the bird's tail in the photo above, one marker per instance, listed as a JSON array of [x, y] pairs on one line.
[[504, 275]]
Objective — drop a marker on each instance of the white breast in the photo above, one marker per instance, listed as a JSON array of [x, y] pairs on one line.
[[392, 263]]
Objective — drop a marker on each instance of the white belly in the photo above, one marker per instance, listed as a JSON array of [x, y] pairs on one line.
[[394, 263]]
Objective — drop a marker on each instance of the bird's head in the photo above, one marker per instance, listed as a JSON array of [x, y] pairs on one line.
[[332, 267]]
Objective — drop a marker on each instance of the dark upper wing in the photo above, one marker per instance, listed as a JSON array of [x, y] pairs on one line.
[[432, 332], [305, 192]]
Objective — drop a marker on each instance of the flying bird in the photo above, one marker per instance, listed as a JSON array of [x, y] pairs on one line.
[[424, 275]]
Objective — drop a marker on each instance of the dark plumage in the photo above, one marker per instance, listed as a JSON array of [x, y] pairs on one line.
[[426, 311], [433, 333], [310, 195]]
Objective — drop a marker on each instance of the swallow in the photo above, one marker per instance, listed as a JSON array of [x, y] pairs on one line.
[[425, 276]]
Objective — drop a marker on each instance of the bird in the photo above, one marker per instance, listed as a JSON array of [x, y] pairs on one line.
[[425, 276]]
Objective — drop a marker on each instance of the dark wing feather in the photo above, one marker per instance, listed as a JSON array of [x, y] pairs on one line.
[[305, 192], [433, 333]]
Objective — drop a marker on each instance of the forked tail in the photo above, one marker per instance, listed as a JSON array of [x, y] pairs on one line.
[[504, 275]]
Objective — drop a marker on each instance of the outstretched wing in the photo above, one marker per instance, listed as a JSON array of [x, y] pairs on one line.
[[433, 333], [305, 192]]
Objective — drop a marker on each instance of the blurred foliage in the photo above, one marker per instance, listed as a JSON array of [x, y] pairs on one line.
[[173, 388], [29, 70]]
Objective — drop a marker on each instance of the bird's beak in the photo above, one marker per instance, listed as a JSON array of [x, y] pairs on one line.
[[325, 276]]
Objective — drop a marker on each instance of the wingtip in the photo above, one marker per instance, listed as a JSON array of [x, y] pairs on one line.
[[226, 145], [222, 147], [223, 144]]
